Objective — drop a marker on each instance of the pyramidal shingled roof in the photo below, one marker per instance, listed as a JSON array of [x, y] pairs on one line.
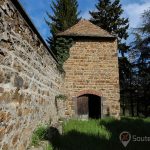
[[85, 28]]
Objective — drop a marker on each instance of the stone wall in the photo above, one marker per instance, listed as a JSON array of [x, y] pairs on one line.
[[29, 80], [93, 68]]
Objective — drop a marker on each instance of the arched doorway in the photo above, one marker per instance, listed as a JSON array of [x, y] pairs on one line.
[[89, 106]]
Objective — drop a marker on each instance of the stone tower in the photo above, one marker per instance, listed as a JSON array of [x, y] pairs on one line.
[[92, 73]]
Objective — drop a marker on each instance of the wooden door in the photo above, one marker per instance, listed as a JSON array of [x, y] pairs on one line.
[[82, 106]]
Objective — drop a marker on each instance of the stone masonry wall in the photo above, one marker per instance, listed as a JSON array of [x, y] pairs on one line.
[[93, 67], [29, 80]]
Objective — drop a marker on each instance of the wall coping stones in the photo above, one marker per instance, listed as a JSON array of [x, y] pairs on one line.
[[22, 12]]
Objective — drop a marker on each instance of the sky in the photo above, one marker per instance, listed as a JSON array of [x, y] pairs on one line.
[[36, 9]]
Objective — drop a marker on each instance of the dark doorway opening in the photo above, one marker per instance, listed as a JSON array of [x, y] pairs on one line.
[[89, 105], [94, 106]]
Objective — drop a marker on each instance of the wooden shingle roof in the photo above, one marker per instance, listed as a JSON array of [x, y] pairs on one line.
[[85, 28]]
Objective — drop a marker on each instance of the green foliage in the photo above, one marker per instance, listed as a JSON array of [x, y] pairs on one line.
[[146, 22], [65, 15], [39, 134], [35, 140], [61, 97], [62, 49], [109, 17], [60, 68], [90, 127], [49, 147]]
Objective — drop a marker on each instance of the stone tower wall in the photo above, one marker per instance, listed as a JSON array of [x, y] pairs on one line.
[[93, 68]]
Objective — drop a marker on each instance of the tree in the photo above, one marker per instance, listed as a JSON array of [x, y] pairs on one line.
[[65, 15], [140, 55], [108, 16]]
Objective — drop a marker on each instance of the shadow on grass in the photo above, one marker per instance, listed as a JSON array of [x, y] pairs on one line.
[[75, 140], [135, 126]]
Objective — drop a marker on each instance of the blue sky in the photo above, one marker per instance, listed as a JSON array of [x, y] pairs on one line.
[[36, 9]]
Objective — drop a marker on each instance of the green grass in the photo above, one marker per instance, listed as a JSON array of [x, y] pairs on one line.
[[100, 134], [91, 127], [38, 135], [48, 147]]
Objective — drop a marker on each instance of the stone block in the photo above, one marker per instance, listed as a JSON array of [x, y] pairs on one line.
[[2, 132], [4, 116], [1, 90], [15, 139], [2, 76], [5, 147], [17, 66], [21, 147], [9, 128], [18, 81]]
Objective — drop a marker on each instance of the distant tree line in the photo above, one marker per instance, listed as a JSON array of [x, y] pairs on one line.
[[135, 95], [134, 59]]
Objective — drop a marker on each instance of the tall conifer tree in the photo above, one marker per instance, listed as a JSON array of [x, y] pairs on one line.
[[65, 14], [108, 16]]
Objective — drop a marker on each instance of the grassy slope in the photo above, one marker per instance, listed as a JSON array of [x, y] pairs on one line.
[[102, 134]]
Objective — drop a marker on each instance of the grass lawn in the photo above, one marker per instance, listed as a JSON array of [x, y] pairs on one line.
[[101, 134]]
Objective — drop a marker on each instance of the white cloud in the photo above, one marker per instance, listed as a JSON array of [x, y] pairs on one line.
[[134, 11], [131, 10], [86, 15]]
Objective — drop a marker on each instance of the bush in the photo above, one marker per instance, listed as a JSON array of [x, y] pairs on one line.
[[49, 147], [39, 134]]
